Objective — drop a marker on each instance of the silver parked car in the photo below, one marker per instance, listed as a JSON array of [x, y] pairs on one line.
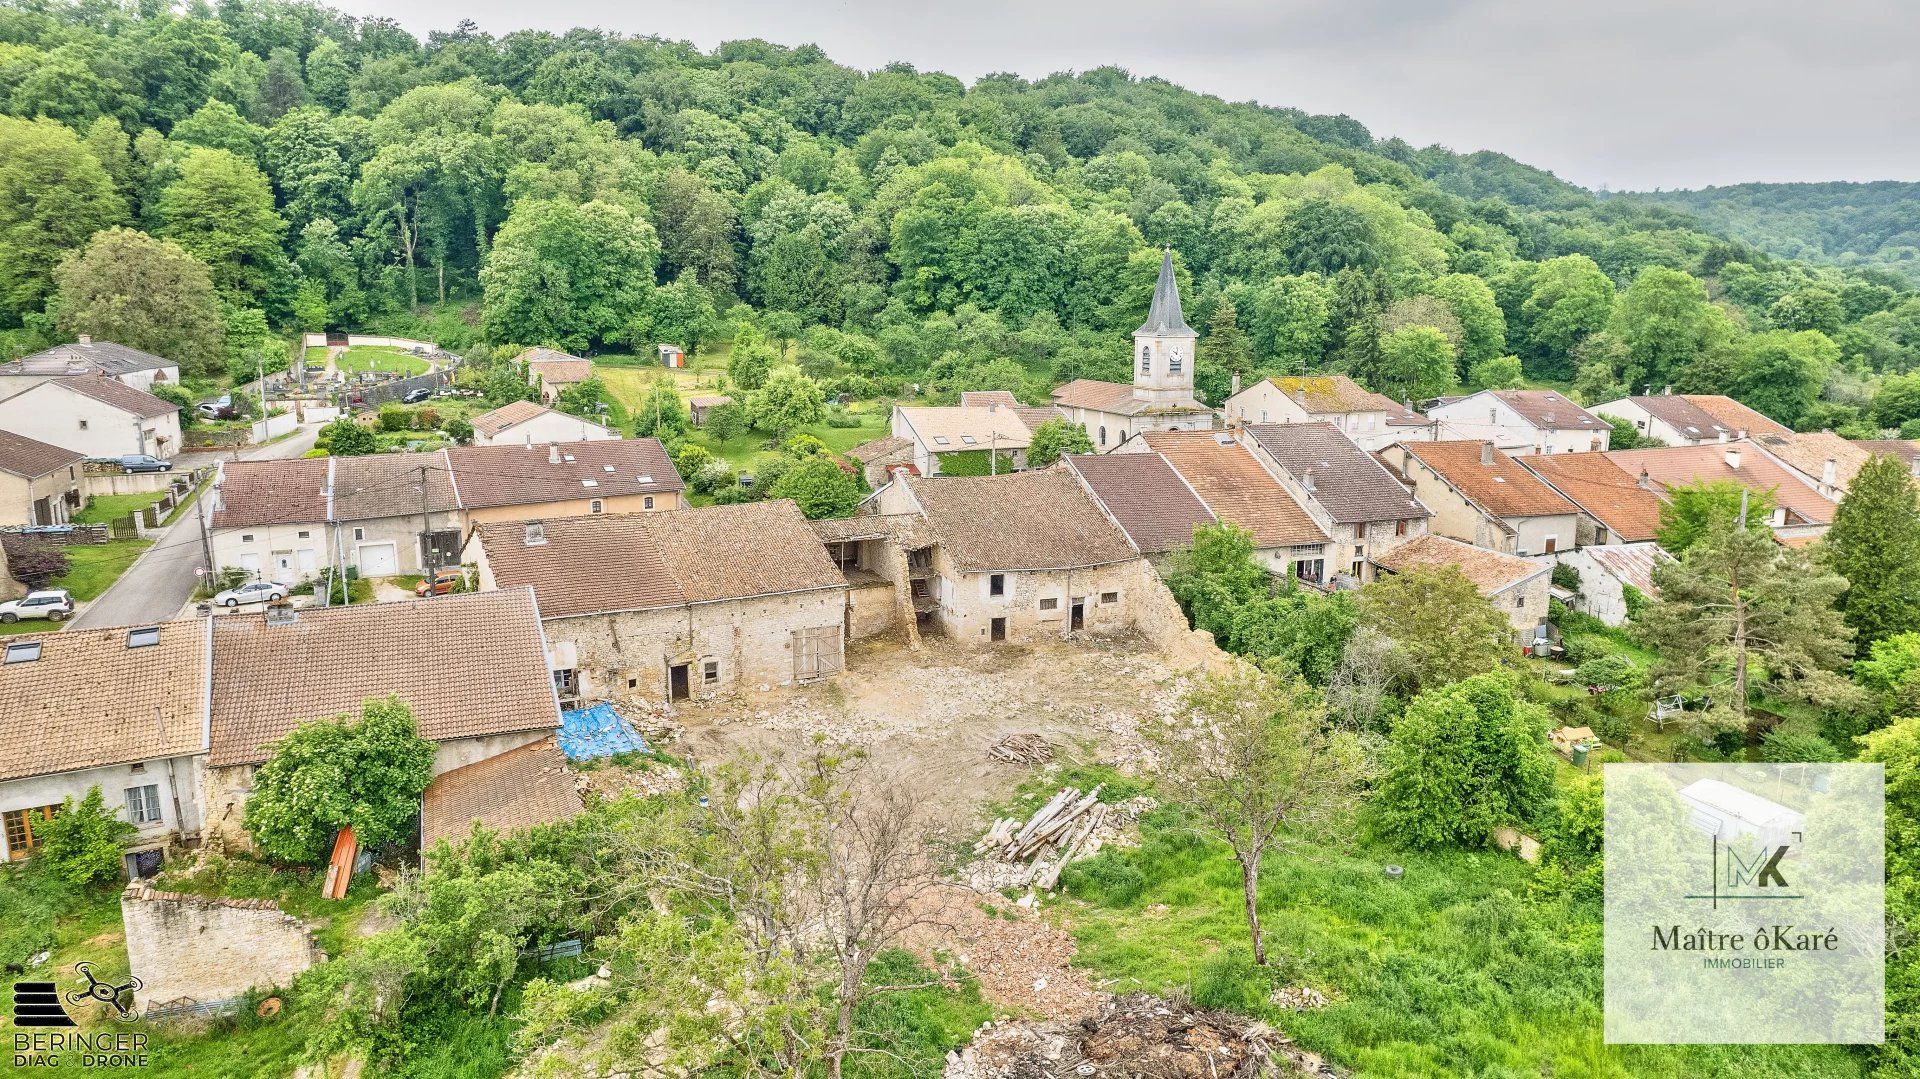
[[252, 592]]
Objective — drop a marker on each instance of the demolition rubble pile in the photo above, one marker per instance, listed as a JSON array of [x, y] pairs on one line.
[[1056, 834], [1135, 1035]]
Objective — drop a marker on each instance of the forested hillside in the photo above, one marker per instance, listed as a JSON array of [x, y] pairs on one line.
[[1844, 224], [203, 184]]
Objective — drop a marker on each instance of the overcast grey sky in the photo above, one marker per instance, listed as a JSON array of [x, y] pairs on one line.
[[1633, 94]]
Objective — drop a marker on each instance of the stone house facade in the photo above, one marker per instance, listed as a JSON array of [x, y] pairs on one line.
[[674, 606], [1480, 495], [1015, 558]]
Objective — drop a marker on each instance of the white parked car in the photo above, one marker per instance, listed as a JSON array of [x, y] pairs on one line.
[[52, 604], [252, 592]]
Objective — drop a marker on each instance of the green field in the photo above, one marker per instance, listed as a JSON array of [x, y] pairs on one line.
[[380, 358], [1458, 968]]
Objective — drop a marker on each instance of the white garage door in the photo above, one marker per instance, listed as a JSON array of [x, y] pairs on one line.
[[378, 560]]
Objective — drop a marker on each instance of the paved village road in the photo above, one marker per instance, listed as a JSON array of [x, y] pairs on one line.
[[161, 580]]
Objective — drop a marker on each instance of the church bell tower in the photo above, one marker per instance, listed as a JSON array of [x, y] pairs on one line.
[[1163, 346]]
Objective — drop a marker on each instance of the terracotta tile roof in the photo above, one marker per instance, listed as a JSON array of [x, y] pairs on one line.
[[1603, 490], [31, 459], [1905, 449], [904, 528], [1236, 488], [1328, 395], [1675, 465], [1347, 482], [508, 792], [118, 395], [878, 448], [1550, 411], [469, 666], [753, 549], [1632, 563], [1142, 491], [96, 355], [1490, 571], [1682, 415], [1401, 415], [1809, 452], [1736, 416], [525, 475], [955, 429], [1487, 476], [641, 561], [1031, 415], [556, 368], [391, 485], [89, 701], [1020, 521], [507, 415], [273, 492], [1112, 397]]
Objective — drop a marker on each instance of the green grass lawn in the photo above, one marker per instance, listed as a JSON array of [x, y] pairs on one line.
[[104, 509], [1453, 970], [92, 568], [382, 358]]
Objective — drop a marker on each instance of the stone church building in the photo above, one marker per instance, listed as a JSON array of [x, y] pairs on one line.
[[1161, 396]]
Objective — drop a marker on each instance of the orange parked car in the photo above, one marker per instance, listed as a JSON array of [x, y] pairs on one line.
[[442, 583]]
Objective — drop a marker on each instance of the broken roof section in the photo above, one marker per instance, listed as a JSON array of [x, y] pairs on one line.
[[509, 792], [1492, 572]]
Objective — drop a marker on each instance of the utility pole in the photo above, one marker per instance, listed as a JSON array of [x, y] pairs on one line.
[[206, 539], [426, 535]]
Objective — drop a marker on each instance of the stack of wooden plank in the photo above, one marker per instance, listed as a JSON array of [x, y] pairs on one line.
[[1048, 840], [1021, 749]]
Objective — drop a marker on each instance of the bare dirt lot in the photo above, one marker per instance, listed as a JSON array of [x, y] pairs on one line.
[[928, 717]]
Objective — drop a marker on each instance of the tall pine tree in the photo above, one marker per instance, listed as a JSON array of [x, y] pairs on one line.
[[1875, 544]]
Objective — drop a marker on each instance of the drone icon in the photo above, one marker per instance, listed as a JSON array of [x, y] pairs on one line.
[[104, 992]]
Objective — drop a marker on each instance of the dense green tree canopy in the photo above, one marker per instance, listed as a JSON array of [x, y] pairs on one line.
[[132, 289], [590, 189]]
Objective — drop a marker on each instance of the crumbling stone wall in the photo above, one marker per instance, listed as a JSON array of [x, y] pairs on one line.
[[1158, 617], [209, 949]]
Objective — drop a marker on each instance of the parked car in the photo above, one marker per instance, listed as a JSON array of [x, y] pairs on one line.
[[52, 604], [442, 583], [220, 408], [144, 462], [252, 592], [414, 397]]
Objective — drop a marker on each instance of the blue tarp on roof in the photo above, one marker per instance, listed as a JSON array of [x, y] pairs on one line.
[[599, 731]]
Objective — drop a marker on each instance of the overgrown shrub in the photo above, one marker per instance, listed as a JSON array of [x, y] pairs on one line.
[[35, 562], [31, 900], [82, 844], [395, 418]]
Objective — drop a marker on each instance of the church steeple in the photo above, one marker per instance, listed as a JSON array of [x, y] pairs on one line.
[[1163, 317], [1163, 346]]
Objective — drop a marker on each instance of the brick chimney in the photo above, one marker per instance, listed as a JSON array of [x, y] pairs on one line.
[[1829, 472], [1645, 481], [1306, 479], [553, 453], [1486, 454]]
